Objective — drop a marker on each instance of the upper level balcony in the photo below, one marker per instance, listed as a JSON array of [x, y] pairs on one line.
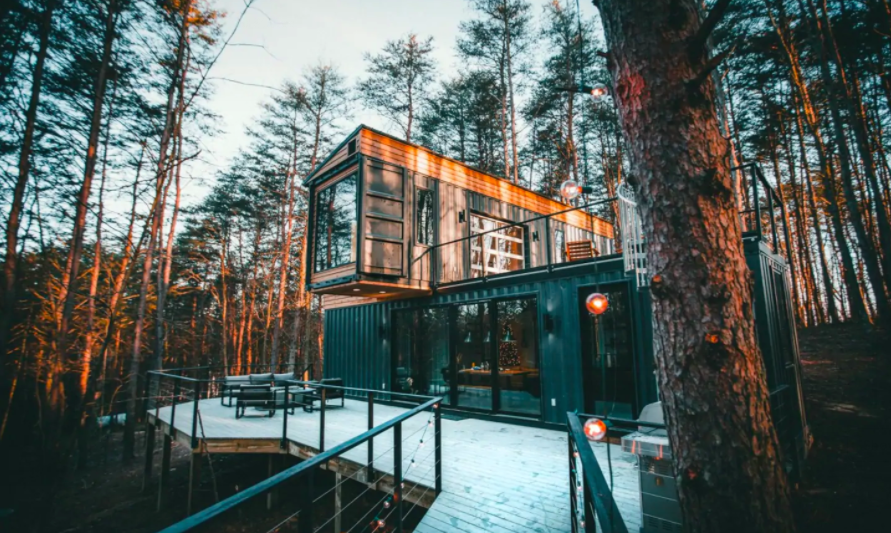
[[391, 219]]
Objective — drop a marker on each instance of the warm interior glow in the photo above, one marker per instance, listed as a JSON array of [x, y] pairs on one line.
[[596, 303], [595, 429]]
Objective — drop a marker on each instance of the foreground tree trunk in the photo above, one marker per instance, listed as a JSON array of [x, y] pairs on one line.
[[711, 376]]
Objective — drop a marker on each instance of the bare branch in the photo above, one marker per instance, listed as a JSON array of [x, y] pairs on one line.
[[697, 43]]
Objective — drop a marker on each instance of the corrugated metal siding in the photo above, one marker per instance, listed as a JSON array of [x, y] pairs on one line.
[[355, 350]]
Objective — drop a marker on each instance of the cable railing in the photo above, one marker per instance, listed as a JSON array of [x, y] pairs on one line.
[[495, 247], [394, 481], [758, 215]]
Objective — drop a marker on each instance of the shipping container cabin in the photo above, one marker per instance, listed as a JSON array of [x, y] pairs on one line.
[[439, 279]]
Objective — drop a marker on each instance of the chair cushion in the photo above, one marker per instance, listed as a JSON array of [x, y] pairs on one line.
[[287, 376], [237, 379], [261, 379]]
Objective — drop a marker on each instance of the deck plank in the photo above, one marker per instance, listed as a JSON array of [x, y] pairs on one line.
[[497, 477]]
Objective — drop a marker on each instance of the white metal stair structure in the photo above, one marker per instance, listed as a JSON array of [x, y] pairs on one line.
[[633, 242]]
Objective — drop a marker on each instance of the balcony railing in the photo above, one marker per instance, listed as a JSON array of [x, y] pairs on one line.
[[762, 213], [498, 248], [179, 389]]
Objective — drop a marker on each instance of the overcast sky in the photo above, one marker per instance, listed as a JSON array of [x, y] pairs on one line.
[[297, 33]]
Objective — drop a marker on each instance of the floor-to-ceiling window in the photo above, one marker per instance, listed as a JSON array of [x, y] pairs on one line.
[[421, 352], [607, 353], [519, 378], [480, 355], [335, 224]]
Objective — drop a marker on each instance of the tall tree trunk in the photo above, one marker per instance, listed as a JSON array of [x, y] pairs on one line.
[[858, 308], [510, 93], [13, 221], [160, 173], [74, 393], [868, 251], [711, 374]]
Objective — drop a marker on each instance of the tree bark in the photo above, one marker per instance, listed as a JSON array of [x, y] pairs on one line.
[[711, 374]]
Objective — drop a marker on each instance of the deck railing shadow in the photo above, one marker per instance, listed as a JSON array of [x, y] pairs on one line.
[[179, 389]]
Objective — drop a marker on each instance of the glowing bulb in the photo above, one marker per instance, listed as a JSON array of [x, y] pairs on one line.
[[387, 504], [596, 303], [595, 429], [381, 523], [570, 190], [599, 90]]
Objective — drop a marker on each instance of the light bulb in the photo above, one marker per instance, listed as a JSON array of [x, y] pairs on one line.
[[570, 190], [599, 91]]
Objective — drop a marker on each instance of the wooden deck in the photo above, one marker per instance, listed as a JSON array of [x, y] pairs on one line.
[[497, 477]]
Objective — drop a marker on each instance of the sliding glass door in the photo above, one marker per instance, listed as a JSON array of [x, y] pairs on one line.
[[420, 360], [519, 379], [481, 356]]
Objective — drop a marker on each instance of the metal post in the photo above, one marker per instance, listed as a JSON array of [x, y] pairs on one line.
[[322, 424], [194, 481], [397, 477], [157, 403], [173, 406], [195, 415], [548, 244], [369, 473], [573, 494], [758, 228], [284, 442], [149, 454], [437, 444]]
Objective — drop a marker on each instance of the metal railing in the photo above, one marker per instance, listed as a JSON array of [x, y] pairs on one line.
[[590, 497], [763, 204], [174, 390], [451, 262]]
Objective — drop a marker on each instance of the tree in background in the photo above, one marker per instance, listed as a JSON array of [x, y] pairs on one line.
[[498, 44], [399, 80]]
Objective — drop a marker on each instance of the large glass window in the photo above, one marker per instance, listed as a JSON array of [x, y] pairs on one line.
[[559, 246], [519, 380], [424, 222], [495, 252], [336, 215], [421, 352]]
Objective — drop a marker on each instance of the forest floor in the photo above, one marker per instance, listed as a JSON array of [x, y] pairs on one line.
[[847, 386]]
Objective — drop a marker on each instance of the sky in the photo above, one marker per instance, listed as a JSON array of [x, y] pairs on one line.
[[279, 39]]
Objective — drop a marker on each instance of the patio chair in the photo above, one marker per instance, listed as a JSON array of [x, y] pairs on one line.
[[260, 397], [230, 386], [261, 379], [330, 394]]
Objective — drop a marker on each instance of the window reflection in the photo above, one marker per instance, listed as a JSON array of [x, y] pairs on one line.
[[336, 214], [495, 252], [425, 217]]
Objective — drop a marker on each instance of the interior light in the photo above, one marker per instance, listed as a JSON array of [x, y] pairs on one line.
[[596, 303], [355, 290], [595, 429]]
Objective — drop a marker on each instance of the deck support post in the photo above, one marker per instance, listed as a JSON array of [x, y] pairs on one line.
[[149, 454], [194, 480], [338, 501], [369, 472], [273, 468], [166, 444], [397, 478]]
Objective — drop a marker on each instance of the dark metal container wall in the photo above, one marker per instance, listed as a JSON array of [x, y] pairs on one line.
[[357, 342]]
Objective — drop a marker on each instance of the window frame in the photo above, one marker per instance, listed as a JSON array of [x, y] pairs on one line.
[[318, 212], [485, 252], [432, 216]]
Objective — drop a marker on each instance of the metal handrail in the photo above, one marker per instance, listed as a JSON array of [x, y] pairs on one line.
[[431, 250], [595, 490], [299, 470], [773, 201]]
